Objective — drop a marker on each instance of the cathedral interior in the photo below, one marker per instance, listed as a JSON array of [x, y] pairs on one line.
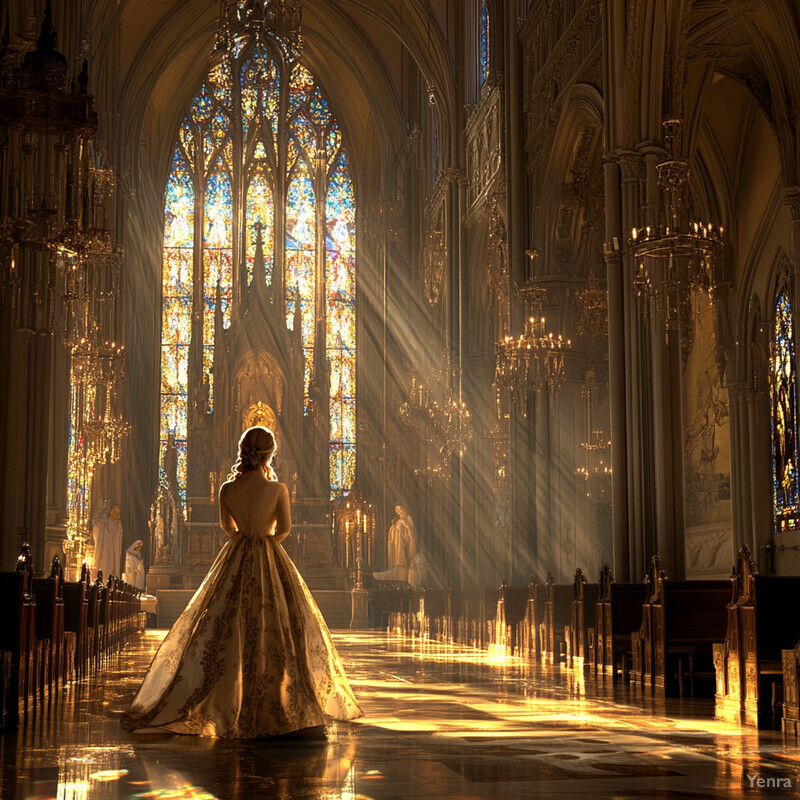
[[514, 284]]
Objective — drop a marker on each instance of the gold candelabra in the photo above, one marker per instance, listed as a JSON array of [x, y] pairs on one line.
[[354, 530]]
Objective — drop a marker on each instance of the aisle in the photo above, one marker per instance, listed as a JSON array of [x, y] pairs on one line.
[[441, 722]]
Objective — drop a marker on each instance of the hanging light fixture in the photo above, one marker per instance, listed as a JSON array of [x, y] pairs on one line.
[[257, 18], [679, 255], [444, 422], [533, 361]]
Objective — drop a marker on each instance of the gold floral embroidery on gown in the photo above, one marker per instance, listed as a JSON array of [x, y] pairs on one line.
[[250, 656]]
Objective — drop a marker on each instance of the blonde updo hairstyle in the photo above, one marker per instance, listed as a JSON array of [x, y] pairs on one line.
[[256, 449]]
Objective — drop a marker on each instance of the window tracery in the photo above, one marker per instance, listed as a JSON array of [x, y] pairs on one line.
[[260, 129]]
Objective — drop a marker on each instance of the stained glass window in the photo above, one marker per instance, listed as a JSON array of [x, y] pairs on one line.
[[177, 288], [301, 240], [341, 323], [259, 151], [483, 66], [786, 489]]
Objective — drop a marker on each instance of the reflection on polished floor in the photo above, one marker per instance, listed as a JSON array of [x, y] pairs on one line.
[[441, 722]]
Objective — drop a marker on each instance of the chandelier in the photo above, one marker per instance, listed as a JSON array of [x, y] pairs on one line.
[[354, 532], [48, 130], [97, 435], [87, 266], [59, 264], [442, 420], [593, 322], [596, 471], [280, 19], [679, 255], [535, 359]]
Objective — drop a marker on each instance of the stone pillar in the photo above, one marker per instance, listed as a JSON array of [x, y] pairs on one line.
[[616, 371]]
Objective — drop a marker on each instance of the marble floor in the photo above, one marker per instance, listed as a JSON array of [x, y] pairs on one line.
[[441, 722]]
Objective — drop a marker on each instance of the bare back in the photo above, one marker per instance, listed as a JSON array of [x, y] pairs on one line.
[[254, 505]]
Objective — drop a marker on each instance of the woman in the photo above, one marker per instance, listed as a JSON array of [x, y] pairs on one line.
[[251, 655]]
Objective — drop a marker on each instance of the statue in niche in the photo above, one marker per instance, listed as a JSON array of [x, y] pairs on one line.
[[406, 562], [134, 565], [107, 534], [164, 516], [170, 463]]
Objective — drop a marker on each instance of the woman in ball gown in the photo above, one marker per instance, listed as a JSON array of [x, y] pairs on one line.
[[251, 655]]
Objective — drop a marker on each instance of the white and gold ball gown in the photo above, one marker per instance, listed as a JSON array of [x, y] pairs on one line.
[[251, 655]]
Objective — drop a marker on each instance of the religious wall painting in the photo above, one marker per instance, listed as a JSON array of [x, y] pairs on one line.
[[707, 453]]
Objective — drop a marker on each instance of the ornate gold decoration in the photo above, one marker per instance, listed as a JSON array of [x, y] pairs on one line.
[[354, 532], [680, 255], [260, 414], [497, 257]]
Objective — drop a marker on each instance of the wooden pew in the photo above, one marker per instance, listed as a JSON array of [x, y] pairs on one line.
[[453, 612], [618, 615], [791, 693], [504, 629], [583, 624], [557, 618], [487, 608], [685, 619], [750, 662], [432, 609], [18, 638], [50, 625], [76, 625], [468, 612], [642, 656], [95, 619], [528, 626], [395, 607]]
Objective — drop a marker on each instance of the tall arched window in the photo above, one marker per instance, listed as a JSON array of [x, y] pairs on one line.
[[260, 151], [783, 387], [483, 61]]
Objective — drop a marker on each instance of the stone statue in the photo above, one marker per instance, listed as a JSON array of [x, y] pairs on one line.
[[134, 565], [170, 463], [107, 533], [164, 515], [406, 562]]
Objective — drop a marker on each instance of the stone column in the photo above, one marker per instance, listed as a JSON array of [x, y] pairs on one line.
[[616, 371]]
